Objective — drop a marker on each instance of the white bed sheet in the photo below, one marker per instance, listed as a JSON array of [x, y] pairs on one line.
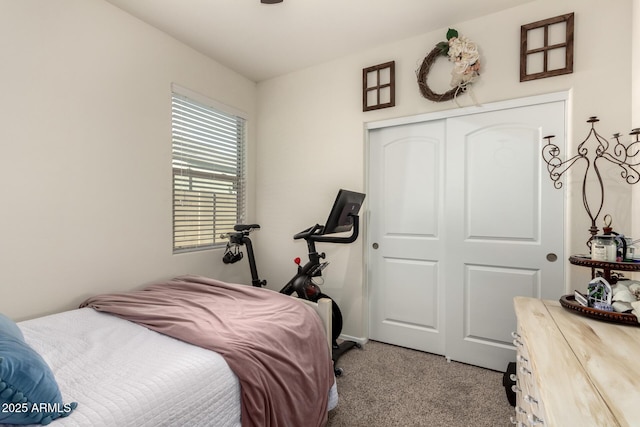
[[122, 374], [103, 363]]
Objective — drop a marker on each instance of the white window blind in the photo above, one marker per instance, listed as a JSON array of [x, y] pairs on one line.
[[208, 173]]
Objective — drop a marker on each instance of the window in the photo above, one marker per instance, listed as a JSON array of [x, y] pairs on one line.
[[208, 143], [546, 48], [379, 86]]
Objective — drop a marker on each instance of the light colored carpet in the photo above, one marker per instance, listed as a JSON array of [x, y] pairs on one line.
[[384, 386]]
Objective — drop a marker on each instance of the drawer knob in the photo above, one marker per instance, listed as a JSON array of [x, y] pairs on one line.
[[531, 399], [525, 370], [517, 343], [534, 420], [516, 422], [515, 335], [523, 359], [516, 389]]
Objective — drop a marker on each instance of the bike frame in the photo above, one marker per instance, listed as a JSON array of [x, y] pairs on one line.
[[242, 238], [313, 267], [300, 283]]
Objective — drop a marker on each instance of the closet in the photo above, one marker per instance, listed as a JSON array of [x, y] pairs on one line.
[[462, 218]]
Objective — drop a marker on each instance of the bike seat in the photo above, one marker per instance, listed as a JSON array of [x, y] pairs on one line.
[[245, 227]]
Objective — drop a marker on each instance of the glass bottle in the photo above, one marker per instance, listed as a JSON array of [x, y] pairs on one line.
[[604, 248]]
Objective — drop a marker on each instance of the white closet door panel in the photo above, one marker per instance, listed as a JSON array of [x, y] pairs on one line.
[[411, 187], [503, 218], [411, 293], [405, 229], [487, 290], [501, 190]]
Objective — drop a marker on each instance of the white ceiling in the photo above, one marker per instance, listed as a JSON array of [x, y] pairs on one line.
[[261, 41]]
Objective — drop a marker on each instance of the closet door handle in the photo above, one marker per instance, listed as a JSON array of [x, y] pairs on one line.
[[375, 246], [551, 257]]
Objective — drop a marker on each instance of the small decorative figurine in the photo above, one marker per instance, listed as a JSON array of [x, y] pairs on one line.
[[599, 294]]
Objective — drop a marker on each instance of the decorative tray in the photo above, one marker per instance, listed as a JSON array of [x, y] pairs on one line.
[[569, 302], [586, 261]]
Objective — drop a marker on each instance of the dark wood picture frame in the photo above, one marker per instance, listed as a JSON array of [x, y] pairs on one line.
[[526, 54], [376, 83]]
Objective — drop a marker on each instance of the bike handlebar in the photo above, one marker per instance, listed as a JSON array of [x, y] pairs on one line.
[[315, 234], [307, 233]]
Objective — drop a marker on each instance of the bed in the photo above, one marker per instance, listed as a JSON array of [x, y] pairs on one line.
[[136, 359]]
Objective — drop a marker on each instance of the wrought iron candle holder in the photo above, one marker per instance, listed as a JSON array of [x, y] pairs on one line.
[[626, 158]]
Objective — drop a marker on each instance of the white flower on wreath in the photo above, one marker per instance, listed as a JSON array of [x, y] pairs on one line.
[[464, 54]]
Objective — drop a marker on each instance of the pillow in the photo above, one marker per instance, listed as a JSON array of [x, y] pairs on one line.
[[29, 393], [8, 326]]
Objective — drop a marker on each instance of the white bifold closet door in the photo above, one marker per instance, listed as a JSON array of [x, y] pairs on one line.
[[463, 217]]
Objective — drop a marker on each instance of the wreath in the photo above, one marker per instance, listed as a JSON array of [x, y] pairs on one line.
[[464, 54]]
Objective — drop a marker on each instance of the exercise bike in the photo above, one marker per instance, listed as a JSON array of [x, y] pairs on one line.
[[342, 218]]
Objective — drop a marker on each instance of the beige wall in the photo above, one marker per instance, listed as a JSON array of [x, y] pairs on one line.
[[86, 195], [86, 152], [311, 131]]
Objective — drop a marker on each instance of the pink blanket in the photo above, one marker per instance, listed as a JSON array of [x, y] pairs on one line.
[[274, 344]]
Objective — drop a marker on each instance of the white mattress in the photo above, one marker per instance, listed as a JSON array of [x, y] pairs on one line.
[[122, 374]]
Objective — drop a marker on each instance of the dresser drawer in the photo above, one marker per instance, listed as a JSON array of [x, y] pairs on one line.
[[529, 406], [555, 389]]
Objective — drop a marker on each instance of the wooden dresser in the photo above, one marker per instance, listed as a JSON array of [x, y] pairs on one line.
[[574, 371]]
